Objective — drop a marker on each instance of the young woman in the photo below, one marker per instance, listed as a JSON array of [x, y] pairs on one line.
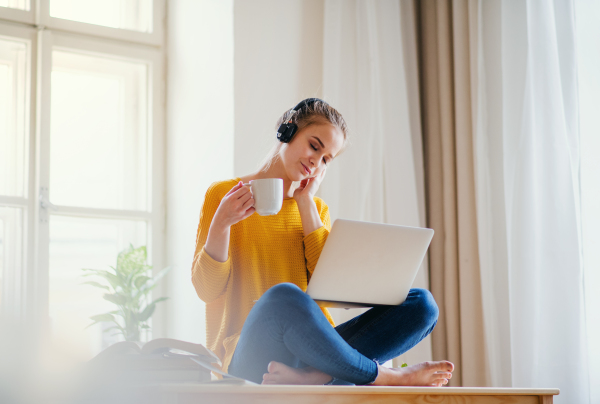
[[252, 272]]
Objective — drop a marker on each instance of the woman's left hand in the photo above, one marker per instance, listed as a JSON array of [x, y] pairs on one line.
[[309, 186]]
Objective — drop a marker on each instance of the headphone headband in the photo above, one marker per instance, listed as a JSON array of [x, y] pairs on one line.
[[287, 128], [307, 102]]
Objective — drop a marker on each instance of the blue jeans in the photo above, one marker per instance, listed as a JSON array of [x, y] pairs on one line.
[[287, 326]]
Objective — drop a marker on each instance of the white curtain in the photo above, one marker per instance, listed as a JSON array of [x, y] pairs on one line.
[[527, 163], [588, 64], [370, 75]]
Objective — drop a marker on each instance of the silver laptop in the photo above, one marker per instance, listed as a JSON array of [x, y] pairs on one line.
[[366, 264]]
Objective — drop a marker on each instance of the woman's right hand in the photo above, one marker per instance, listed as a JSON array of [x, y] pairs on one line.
[[235, 206]]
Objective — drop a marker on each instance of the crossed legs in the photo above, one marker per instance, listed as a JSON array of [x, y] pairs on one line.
[[287, 339]]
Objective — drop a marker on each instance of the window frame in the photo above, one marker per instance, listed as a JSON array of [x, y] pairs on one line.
[[39, 16], [45, 34], [20, 307]]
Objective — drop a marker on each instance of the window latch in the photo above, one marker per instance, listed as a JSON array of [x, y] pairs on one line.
[[45, 203]]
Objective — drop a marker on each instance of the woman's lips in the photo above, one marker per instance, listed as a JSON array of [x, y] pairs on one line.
[[306, 169]]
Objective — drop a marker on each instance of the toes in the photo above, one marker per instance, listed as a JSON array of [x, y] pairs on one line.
[[444, 375], [266, 382], [442, 366], [269, 377]]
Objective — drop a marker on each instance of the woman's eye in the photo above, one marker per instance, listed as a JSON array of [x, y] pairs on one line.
[[315, 149]]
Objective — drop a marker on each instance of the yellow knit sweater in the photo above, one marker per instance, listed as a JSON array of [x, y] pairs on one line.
[[263, 251]]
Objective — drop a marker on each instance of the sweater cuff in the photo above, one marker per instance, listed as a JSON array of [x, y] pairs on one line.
[[314, 242], [213, 266]]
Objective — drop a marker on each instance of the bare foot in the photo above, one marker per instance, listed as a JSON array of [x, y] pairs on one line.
[[283, 374], [421, 374]]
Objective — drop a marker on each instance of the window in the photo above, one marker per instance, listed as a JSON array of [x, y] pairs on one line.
[[134, 15], [81, 156], [19, 4]]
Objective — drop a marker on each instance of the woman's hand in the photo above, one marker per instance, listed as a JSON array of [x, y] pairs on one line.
[[237, 205], [309, 186]]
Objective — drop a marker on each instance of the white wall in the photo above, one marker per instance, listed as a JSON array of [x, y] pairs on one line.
[[278, 62], [199, 141]]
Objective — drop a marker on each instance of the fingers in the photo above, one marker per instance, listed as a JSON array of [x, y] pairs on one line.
[[240, 192], [249, 213], [244, 197], [235, 188], [248, 203]]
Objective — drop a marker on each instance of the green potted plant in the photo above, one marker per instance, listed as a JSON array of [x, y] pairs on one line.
[[129, 284]]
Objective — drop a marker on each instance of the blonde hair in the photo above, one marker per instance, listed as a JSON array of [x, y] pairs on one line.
[[311, 114]]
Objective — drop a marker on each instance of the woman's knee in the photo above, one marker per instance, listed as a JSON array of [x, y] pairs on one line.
[[424, 305], [284, 294]]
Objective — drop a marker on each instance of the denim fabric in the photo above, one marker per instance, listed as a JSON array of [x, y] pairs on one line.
[[287, 326]]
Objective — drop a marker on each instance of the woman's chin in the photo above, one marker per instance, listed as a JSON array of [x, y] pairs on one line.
[[297, 177]]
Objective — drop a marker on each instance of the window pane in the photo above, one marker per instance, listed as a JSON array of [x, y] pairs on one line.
[[13, 120], [20, 4], [11, 258], [77, 243], [134, 15], [99, 133]]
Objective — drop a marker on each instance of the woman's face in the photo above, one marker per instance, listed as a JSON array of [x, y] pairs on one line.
[[311, 150]]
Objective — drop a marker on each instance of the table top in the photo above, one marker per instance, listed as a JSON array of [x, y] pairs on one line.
[[295, 389]]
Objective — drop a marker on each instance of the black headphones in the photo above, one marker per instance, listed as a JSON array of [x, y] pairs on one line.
[[286, 130]]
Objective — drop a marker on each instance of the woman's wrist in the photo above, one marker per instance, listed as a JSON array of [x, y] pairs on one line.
[[217, 241], [304, 200], [309, 214], [219, 227]]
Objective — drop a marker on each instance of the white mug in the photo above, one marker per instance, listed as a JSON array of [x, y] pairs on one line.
[[267, 194]]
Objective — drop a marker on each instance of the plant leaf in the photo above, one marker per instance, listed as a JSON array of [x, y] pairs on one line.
[[116, 298], [145, 290], [113, 327], [160, 299], [132, 260], [114, 280], [145, 315], [103, 317], [162, 273], [93, 283], [140, 281], [151, 284]]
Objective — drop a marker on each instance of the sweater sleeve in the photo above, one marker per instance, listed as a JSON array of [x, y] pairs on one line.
[[209, 276], [314, 242]]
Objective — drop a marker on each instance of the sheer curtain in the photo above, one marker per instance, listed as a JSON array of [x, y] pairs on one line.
[[527, 158], [369, 75], [588, 66], [519, 103]]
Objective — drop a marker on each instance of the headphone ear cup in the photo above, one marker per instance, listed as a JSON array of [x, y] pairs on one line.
[[286, 132]]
